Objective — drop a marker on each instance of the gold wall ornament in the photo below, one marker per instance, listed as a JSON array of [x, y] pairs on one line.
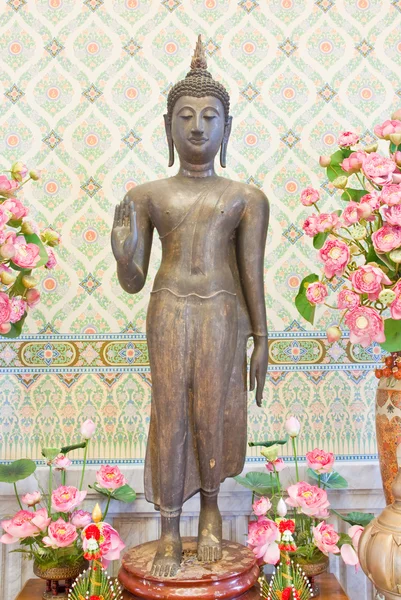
[[380, 548]]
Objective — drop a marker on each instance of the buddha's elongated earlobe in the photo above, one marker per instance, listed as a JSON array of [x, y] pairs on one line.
[[224, 143], [167, 125]]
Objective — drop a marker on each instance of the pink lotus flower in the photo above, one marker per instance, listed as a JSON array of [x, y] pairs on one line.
[[88, 429], [391, 194], [7, 187], [351, 213], [66, 498], [60, 534], [61, 462], [263, 536], [395, 306], [387, 238], [31, 499], [26, 255], [32, 297], [335, 254], [347, 139], [276, 465], [353, 163], [378, 168], [261, 506], [18, 308], [365, 325], [327, 222], [4, 217], [5, 308], [369, 280], [16, 208], [309, 196], [52, 262], [309, 498], [320, 461], [310, 225], [348, 299], [24, 523], [373, 199], [392, 214], [81, 518], [348, 552], [396, 178], [7, 236], [326, 538], [384, 130], [110, 543], [316, 292], [110, 478]]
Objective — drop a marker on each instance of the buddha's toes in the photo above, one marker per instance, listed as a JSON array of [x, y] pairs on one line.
[[168, 558], [210, 536]]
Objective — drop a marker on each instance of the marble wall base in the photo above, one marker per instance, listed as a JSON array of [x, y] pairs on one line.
[[139, 522]]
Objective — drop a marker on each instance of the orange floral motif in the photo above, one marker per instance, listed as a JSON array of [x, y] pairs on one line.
[[388, 433]]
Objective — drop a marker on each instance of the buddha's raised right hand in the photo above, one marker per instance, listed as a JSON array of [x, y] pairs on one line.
[[124, 235]]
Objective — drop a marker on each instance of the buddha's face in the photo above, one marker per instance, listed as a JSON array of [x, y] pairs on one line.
[[197, 128]]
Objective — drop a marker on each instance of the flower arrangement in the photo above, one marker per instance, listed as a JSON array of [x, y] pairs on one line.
[[392, 368], [52, 530], [23, 248], [291, 524], [361, 242]]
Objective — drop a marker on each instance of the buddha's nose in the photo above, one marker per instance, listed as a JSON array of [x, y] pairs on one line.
[[198, 126]]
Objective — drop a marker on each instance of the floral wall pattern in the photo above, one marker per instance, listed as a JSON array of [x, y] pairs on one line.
[[83, 88]]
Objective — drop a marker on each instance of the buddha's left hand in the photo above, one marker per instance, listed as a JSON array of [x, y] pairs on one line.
[[258, 367]]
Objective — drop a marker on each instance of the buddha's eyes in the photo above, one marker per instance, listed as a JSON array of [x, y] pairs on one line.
[[186, 117], [209, 116]]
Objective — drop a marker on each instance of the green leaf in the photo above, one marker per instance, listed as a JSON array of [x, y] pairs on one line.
[[344, 539], [392, 331], [305, 308], [356, 195], [334, 170], [66, 449], [331, 480], [356, 518], [125, 494], [16, 328], [99, 489], [260, 483], [50, 453], [17, 470], [319, 239], [267, 444]]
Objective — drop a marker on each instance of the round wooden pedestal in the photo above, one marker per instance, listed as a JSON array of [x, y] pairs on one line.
[[234, 576]]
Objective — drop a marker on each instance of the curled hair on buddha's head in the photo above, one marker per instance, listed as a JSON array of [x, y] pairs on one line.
[[198, 83]]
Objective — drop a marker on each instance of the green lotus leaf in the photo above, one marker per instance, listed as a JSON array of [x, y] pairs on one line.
[[17, 470]]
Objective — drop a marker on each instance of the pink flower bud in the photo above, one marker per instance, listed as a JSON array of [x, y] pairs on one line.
[[324, 161], [365, 210], [333, 334], [88, 429], [18, 171], [7, 251], [396, 116], [5, 328], [31, 499], [32, 297], [292, 426], [34, 175]]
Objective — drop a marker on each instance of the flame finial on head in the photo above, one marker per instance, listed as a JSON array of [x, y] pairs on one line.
[[199, 58]]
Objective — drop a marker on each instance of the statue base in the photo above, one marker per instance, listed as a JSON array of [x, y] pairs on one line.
[[234, 576]]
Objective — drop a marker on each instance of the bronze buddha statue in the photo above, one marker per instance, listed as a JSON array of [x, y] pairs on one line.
[[207, 300]]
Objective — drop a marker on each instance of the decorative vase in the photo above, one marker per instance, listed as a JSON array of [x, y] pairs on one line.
[[54, 575], [388, 431], [314, 569], [379, 548]]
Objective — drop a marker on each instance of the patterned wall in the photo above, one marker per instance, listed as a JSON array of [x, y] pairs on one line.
[[83, 90]]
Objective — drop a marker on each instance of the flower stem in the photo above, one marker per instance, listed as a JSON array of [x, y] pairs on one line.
[[50, 487], [63, 474], [319, 480], [16, 493], [278, 481], [107, 507], [294, 447], [84, 465]]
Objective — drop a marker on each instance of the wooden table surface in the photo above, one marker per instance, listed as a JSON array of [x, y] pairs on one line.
[[330, 589]]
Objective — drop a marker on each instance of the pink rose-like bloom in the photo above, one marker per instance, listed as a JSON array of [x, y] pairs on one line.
[[275, 465], [391, 194], [327, 222], [392, 214], [351, 213], [309, 498], [387, 238], [261, 506], [16, 208], [310, 225], [61, 462], [110, 543], [81, 518], [32, 297], [348, 299], [309, 196], [378, 168], [353, 163], [395, 306], [24, 523], [373, 199], [369, 280], [18, 307], [52, 262], [320, 461], [110, 478], [384, 130], [5, 308], [335, 254], [60, 534], [263, 536], [365, 326], [347, 139], [7, 187], [326, 538], [66, 498], [26, 255], [31, 499], [316, 292], [348, 552]]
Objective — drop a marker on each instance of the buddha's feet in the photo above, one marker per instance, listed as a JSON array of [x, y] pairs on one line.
[[210, 535], [168, 557]]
